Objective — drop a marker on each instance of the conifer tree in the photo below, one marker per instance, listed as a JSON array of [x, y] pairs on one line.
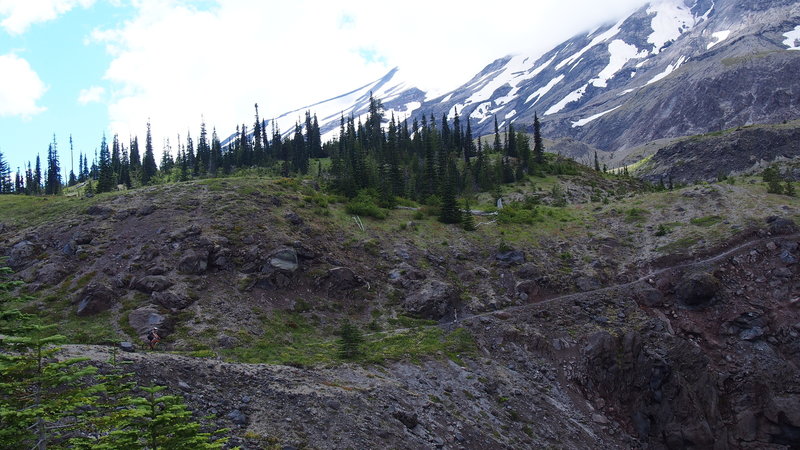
[[203, 152], [450, 212], [350, 341], [597, 165], [149, 167], [497, 146], [5, 176], [40, 397], [116, 160], [105, 180], [538, 145], [789, 189], [467, 221], [135, 161], [53, 179], [37, 176]]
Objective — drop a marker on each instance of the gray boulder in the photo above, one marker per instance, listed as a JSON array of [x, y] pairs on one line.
[[144, 319], [82, 237], [433, 300], [20, 252], [651, 297], [510, 257], [284, 259], [697, 290], [194, 262], [95, 298], [342, 278], [781, 226], [152, 283], [126, 346], [51, 273], [171, 300]]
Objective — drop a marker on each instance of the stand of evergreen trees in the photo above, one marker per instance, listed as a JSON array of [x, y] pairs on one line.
[[429, 160]]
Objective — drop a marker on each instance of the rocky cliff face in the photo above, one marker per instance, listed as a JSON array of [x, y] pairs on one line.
[[736, 151]]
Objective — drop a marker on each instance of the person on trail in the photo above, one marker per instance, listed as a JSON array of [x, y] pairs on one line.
[[153, 338]]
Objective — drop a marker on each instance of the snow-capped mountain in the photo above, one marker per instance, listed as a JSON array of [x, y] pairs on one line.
[[672, 68]]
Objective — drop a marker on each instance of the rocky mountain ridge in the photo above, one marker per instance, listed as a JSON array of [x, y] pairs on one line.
[[673, 68]]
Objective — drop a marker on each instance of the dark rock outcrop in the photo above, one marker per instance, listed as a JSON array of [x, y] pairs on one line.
[[171, 300], [95, 298], [152, 283], [144, 319], [433, 300], [697, 290], [194, 262]]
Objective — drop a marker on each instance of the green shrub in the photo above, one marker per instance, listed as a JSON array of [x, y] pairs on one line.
[[365, 204]]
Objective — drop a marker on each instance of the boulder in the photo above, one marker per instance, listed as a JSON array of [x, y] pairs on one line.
[[20, 252], [293, 218], [227, 342], [194, 262], [152, 283], [510, 257], [651, 297], [171, 300], [284, 259], [97, 210], [342, 278], [433, 300], [95, 298], [145, 210], [144, 319], [528, 287], [183, 233], [51, 273], [781, 226], [126, 346], [237, 417], [409, 419], [82, 237], [697, 290], [587, 283]]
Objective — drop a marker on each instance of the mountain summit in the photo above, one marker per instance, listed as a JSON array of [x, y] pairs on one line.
[[672, 68]]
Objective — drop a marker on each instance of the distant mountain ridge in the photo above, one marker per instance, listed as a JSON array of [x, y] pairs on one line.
[[672, 68]]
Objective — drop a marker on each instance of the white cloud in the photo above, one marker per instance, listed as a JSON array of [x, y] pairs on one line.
[[93, 94], [174, 62], [18, 15], [20, 88]]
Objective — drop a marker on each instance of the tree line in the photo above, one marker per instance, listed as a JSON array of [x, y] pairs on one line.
[[427, 160]]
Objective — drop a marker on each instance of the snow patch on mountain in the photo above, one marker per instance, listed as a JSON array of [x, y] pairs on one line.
[[792, 39], [718, 37], [582, 122], [571, 97], [670, 68], [621, 53], [542, 91], [672, 18], [599, 39]]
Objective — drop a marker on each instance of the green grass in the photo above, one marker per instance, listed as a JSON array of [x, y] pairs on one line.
[[291, 340], [678, 245], [706, 221], [27, 211]]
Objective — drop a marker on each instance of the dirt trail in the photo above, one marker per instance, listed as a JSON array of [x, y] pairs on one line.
[[642, 279]]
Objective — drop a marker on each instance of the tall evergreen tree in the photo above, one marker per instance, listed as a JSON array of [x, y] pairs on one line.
[[105, 179], [149, 168], [52, 182], [5, 176], [37, 176], [538, 145], [496, 147], [258, 148]]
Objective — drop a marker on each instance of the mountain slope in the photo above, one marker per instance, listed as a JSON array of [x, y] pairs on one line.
[[672, 68]]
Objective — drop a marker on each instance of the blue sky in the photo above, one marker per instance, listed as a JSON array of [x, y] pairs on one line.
[[89, 67]]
